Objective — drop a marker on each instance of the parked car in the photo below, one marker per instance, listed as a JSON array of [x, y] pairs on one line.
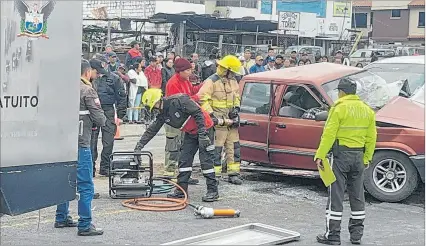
[[410, 68], [284, 102], [363, 57], [409, 51]]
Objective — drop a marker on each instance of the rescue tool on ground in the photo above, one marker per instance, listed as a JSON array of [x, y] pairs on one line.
[[132, 178]]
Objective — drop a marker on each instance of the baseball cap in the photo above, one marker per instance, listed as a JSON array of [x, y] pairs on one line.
[[259, 58], [279, 56], [132, 44], [112, 54], [347, 86], [98, 66]]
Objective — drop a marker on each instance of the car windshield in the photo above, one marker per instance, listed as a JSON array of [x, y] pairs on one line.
[[371, 88], [391, 72], [419, 95]]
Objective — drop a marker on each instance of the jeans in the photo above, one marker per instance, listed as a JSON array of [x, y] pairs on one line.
[[85, 188], [132, 113]]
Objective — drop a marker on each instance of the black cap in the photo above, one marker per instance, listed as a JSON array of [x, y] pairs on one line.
[[97, 64], [279, 56], [348, 86], [100, 57], [153, 59]]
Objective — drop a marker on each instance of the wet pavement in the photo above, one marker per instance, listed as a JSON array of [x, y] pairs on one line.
[[296, 204]]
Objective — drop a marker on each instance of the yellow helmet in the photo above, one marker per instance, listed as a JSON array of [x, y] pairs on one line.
[[151, 97], [232, 63]]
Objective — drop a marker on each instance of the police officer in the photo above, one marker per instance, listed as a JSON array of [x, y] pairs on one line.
[[90, 114], [181, 112], [350, 134], [111, 93], [220, 97]]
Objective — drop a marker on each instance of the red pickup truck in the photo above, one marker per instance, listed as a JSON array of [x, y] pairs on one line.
[[290, 108]]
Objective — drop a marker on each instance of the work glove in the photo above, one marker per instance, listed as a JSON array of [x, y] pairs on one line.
[[138, 149], [234, 113], [205, 142]]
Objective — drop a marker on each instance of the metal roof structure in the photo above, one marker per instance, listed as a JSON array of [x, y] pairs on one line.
[[206, 22]]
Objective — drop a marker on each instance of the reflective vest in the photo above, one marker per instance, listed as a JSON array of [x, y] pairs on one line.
[[353, 123]]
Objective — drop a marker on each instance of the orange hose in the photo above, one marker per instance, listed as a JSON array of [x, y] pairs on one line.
[[224, 212], [150, 203]]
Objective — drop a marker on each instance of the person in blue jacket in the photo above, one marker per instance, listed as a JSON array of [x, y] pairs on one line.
[[258, 67]]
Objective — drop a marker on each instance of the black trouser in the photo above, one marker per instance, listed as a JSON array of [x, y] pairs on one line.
[[348, 167], [108, 133], [188, 150]]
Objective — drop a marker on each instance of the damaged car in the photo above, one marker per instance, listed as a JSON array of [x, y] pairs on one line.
[[290, 107]]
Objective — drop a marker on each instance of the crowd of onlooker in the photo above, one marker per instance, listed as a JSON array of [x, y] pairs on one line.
[[140, 72]]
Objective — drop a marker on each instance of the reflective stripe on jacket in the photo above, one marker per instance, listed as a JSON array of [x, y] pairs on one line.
[[219, 95], [353, 123]]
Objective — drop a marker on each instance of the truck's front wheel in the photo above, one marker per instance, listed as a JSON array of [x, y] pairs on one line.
[[391, 177]]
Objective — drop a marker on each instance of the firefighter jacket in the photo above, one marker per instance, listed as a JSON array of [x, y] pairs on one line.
[[219, 95], [177, 85], [181, 112], [90, 113], [353, 123]]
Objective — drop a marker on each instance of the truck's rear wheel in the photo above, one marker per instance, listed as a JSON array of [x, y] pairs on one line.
[[391, 177]]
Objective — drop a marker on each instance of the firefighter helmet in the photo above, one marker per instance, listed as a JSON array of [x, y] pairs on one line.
[[231, 63], [151, 97]]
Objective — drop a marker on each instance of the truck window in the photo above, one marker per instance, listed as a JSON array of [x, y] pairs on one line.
[[256, 98], [299, 103]]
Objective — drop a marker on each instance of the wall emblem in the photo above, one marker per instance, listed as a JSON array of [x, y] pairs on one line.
[[34, 18]]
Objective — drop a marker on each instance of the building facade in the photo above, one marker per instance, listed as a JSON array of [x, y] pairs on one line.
[[416, 32]]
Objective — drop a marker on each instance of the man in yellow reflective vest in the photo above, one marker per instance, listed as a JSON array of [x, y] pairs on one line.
[[350, 133], [220, 96]]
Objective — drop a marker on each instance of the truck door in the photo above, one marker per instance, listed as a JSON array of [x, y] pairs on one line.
[[294, 134], [255, 107]]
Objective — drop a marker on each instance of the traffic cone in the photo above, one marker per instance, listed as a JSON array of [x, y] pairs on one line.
[[117, 131]]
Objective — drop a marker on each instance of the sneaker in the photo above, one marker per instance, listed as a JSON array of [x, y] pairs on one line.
[[322, 239], [68, 223], [210, 197], [91, 231], [96, 195]]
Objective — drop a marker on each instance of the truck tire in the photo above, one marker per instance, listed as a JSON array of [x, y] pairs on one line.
[[391, 177]]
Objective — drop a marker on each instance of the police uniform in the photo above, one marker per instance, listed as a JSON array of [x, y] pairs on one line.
[[180, 112], [90, 114], [220, 96], [113, 97], [350, 137]]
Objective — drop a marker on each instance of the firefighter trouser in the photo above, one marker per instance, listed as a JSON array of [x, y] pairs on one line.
[[108, 133], [228, 138], [189, 149], [174, 139], [348, 167]]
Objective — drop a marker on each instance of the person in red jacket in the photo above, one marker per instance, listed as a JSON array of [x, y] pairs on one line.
[[179, 111], [153, 73], [178, 84]]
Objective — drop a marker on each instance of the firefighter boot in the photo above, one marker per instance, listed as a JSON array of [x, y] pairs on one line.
[[212, 191], [178, 194], [235, 179], [330, 241]]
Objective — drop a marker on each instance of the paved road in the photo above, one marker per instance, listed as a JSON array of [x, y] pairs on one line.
[[290, 203]]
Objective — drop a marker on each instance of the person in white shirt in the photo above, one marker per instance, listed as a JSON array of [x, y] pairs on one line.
[[138, 85]]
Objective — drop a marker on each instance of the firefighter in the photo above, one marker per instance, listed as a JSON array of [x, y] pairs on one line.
[[90, 113], [350, 137], [181, 112], [113, 97], [221, 98]]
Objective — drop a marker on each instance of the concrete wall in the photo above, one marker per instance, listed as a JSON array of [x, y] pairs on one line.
[[386, 28], [389, 4], [414, 30]]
